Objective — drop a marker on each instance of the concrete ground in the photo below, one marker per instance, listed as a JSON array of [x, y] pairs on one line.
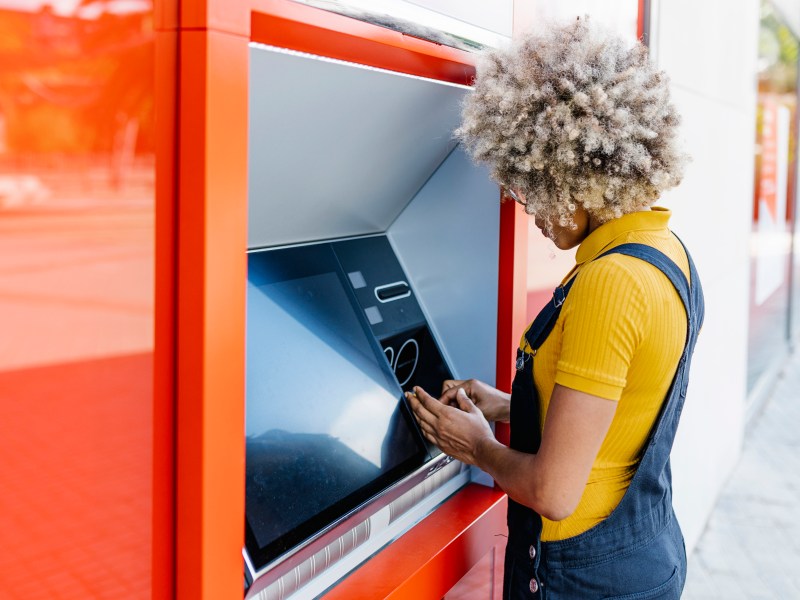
[[751, 546]]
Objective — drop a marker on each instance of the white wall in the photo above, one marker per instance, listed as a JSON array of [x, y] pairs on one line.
[[617, 15], [709, 52]]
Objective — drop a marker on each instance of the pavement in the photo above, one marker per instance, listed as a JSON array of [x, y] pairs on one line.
[[750, 548]]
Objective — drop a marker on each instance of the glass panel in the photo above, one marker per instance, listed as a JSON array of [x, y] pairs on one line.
[[314, 456], [77, 195], [775, 169], [795, 309]]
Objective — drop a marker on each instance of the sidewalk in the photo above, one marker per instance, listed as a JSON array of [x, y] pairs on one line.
[[751, 546]]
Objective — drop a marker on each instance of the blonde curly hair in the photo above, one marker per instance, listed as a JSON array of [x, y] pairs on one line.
[[574, 116]]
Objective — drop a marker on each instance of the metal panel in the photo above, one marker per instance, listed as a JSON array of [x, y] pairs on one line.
[[338, 149], [448, 242]]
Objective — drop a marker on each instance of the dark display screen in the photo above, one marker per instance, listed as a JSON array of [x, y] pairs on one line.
[[326, 426]]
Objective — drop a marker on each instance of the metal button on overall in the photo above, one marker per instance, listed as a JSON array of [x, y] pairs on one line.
[[532, 552], [534, 586]]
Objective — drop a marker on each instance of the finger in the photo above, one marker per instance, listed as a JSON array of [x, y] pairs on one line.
[[429, 402], [419, 409], [449, 396], [430, 438], [428, 432], [426, 428], [464, 403], [450, 384]]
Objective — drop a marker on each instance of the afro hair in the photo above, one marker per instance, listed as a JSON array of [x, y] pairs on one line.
[[574, 116]]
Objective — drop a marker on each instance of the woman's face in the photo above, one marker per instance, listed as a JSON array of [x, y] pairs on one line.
[[567, 237], [563, 237]]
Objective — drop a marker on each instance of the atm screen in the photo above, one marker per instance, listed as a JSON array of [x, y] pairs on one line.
[[326, 425]]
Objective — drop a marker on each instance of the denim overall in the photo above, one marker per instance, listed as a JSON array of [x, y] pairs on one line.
[[637, 553]]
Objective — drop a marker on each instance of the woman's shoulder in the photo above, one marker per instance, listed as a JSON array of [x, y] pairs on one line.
[[611, 276], [619, 275], [624, 266]]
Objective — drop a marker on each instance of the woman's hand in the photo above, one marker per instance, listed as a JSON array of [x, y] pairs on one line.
[[494, 404], [457, 430], [551, 481]]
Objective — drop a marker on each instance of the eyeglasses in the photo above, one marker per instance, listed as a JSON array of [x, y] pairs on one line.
[[509, 193]]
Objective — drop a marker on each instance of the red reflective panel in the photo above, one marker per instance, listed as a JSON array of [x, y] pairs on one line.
[[76, 298]]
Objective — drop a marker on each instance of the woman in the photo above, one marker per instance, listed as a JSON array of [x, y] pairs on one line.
[[577, 126]]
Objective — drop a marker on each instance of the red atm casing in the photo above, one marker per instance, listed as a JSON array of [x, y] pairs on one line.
[[201, 241]]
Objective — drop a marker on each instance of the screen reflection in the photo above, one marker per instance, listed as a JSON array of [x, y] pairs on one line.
[[324, 419]]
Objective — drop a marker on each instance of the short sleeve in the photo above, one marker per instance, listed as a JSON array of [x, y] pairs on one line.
[[603, 321]]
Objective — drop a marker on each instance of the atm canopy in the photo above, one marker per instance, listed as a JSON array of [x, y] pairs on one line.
[[338, 149]]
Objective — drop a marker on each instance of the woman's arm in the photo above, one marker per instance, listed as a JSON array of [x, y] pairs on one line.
[[552, 481]]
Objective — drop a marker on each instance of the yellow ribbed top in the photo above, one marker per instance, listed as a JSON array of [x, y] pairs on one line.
[[619, 336]]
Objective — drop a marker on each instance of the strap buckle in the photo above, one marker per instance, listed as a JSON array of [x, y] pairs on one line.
[[559, 296]]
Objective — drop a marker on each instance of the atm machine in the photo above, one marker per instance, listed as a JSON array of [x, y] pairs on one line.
[[373, 247]]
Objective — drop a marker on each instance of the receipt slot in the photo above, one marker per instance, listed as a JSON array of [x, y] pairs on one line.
[[372, 267]]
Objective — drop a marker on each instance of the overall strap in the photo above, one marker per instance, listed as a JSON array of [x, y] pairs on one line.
[[653, 477], [697, 301], [545, 321], [647, 503], [664, 264], [691, 294]]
